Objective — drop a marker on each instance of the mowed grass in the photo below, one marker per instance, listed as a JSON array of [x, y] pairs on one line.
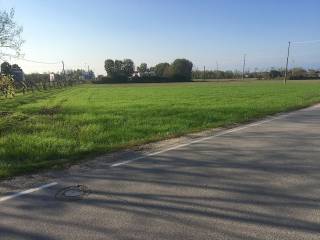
[[53, 128]]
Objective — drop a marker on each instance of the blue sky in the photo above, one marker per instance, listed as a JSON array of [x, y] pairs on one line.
[[83, 32]]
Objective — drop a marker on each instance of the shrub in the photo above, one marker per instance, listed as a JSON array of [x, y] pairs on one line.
[[7, 87]]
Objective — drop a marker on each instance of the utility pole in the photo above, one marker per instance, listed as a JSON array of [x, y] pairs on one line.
[[63, 72], [286, 73], [204, 73], [217, 64], [244, 66], [86, 66]]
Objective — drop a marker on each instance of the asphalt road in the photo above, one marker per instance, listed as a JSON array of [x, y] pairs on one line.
[[260, 181]]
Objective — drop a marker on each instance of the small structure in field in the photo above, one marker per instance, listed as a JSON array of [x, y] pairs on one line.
[[51, 77]]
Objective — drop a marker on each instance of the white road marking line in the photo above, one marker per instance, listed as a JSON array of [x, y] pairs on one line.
[[214, 136], [198, 141], [3, 199]]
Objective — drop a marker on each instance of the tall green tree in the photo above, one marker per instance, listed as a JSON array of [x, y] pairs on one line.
[[161, 69], [182, 70], [118, 67], [143, 68], [128, 67], [109, 66]]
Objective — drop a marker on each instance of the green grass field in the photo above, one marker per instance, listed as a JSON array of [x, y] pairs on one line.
[[53, 128]]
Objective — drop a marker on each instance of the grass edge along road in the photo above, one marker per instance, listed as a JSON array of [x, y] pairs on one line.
[[52, 129]]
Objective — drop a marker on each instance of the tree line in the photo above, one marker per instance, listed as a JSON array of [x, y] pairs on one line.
[[122, 71], [182, 70], [293, 74]]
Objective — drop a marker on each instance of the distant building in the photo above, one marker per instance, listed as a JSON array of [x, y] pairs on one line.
[[51, 77], [144, 74], [136, 74], [88, 75]]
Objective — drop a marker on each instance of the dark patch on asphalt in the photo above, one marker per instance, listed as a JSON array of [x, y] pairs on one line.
[[72, 193]]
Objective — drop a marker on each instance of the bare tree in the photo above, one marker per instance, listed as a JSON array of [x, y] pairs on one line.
[[10, 33]]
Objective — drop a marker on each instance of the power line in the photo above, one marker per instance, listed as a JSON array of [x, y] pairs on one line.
[[307, 42], [29, 60], [2, 59]]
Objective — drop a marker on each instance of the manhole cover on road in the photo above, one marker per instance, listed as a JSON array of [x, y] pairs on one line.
[[72, 193]]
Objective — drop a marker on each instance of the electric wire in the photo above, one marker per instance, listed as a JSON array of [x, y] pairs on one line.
[[30, 60]]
